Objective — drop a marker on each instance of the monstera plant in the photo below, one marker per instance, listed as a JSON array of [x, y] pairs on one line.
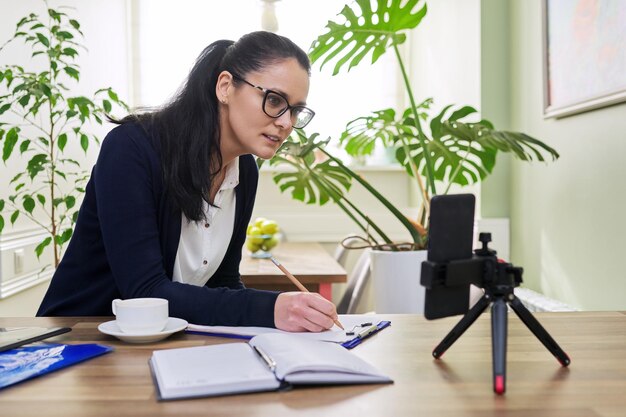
[[40, 124], [453, 146]]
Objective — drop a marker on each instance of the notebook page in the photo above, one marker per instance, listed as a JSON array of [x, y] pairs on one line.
[[310, 361], [211, 370]]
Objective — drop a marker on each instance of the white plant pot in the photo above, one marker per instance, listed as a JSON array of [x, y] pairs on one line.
[[396, 281]]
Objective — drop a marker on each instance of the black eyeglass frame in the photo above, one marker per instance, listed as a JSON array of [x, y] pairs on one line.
[[266, 92]]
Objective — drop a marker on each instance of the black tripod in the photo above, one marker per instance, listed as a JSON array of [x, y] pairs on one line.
[[499, 280]]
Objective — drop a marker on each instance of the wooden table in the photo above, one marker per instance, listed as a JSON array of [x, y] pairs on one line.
[[119, 383], [315, 268]]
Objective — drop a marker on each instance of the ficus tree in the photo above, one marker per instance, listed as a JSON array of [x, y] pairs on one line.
[[44, 126]]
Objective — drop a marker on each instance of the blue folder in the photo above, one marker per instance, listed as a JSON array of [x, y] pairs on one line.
[[21, 364]]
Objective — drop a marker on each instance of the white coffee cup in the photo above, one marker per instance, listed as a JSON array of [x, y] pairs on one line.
[[141, 315]]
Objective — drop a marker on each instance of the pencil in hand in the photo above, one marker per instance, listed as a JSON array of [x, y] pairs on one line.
[[298, 284]]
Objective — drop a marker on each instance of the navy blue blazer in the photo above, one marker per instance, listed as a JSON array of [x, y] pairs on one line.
[[126, 239]]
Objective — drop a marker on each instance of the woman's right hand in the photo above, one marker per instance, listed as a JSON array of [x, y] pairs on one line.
[[301, 312]]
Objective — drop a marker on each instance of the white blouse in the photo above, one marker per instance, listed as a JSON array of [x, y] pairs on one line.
[[202, 245]]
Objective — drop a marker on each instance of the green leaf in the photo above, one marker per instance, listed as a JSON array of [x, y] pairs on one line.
[[107, 106], [70, 201], [20, 87], [42, 199], [311, 182], [17, 177], [54, 14], [70, 52], [84, 110], [84, 142], [62, 141], [47, 91], [9, 143], [75, 216], [43, 40], [75, 24], [67, 235], [36, 165], [1, 223], [22, 22], [39, 249], [113, 96], [71, 161], [64, 35], [72, 72], [57, 201], [14, 216], [362, 134], [366, 31], [24, 100], [63, 237], [29, 204], [4, 108], [1, 204], [24, 146]]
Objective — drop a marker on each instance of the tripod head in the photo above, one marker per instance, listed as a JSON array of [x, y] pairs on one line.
[[499, 277]]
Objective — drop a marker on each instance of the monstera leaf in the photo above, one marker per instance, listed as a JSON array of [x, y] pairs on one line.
[[366, 30], [465, 153], [310, 181], [382, 127]]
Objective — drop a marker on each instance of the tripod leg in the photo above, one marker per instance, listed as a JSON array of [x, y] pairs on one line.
[[544, 337], [498, 344], [456, 332]]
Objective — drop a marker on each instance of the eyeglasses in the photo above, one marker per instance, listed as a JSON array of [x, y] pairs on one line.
[[275, 105]]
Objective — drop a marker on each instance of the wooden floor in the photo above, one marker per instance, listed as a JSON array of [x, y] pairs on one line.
[[119, 384]]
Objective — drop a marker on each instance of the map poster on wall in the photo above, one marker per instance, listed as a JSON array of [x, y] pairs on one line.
[[584, 55]]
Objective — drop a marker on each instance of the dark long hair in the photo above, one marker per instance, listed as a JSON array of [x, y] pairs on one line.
[[187, 127]]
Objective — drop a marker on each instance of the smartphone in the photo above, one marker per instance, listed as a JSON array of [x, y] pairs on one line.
[[450, 236]]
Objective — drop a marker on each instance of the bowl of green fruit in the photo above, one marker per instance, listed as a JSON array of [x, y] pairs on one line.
[[262, 236]]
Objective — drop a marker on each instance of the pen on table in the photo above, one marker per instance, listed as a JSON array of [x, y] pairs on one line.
[[298, 284]]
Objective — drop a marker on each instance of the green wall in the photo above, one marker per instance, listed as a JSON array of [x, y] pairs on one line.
[[495, 96], [568, 229]]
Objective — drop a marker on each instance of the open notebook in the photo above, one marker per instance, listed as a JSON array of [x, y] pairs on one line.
[[267, 362]]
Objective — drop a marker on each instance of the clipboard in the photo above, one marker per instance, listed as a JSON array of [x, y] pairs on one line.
[[366, 333], [354, 325]]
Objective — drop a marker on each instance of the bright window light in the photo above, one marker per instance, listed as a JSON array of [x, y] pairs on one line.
[[170, 35]]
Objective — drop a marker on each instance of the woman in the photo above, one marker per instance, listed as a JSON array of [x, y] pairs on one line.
[[172, 192]]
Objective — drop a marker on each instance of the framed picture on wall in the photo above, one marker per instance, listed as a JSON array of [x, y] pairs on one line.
[[584, 55]]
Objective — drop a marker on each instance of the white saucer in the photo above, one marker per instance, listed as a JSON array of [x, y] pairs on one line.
[[173, 325]]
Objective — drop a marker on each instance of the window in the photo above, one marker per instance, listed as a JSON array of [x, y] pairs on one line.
[[170, 35]]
